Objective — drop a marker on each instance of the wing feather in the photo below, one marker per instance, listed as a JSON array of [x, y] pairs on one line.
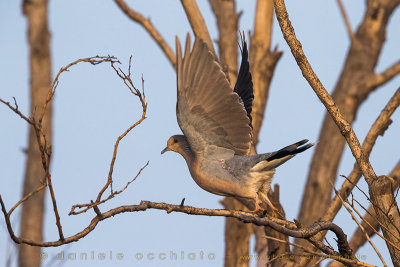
[[208, 111]]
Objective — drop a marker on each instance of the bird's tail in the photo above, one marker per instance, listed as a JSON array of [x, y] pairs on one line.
[[279, 157]]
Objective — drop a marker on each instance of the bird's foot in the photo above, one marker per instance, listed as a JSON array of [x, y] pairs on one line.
[[259, 210]]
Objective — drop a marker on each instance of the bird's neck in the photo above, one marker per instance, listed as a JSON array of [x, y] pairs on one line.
[[186, 153]]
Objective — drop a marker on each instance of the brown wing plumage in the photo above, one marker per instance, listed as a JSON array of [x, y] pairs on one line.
[[208, 111]]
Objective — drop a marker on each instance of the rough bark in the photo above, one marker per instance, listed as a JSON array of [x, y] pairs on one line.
[[349, 93], [40, 77]]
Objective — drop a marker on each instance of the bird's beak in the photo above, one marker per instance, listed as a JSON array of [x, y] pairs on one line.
[[165, 150]]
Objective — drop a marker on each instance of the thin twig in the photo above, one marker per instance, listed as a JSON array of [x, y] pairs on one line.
[[346, 19], [369, 224], [113, 194], [142, 99]]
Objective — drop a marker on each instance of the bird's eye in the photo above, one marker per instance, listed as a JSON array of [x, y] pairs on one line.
[[175, 141]]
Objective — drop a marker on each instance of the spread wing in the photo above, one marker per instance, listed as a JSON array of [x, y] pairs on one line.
[[244, 83], [208, 111]]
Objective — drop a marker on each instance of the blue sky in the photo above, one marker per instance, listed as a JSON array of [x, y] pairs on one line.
[[92, 107]]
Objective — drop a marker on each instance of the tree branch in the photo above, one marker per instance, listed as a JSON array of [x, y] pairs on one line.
[[247, 217], [263, 62], [378, 128], [369, 222], [381, 196], [308, 73], [149, 27], [349, 93], [197, 23], [384, 77], [345, 19], [364, 233], [227, 22]]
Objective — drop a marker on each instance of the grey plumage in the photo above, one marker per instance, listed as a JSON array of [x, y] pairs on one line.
[[216, 122]]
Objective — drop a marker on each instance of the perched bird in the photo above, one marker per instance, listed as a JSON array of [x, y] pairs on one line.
[[216, 122]]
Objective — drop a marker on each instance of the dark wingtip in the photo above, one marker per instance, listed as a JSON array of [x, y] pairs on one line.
[[291, 149], [303, 148]]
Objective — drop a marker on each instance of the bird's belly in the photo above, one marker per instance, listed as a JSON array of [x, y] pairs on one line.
[[213, 178]]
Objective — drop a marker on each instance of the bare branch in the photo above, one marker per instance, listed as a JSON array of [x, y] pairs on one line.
[[197, 23], [142, 98], [370, 224], [149, 27], [16, 110], [227, 22], [45, 147], [381, 195], [248, 217], [346, 19], [308, 73], [384, 77], [378, 128], [112, 195], [263, 61]]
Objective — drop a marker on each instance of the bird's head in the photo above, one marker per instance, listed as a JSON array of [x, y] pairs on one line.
[[177, 143]]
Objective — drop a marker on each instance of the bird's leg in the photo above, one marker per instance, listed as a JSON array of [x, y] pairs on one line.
[[273, 207]]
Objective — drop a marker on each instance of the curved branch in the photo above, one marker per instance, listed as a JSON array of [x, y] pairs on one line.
[[149, 27], [282, 226]]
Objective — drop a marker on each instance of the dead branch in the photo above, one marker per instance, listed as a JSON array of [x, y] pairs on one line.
[[349, 93], [227, 22], [369, 222], [45, 147], [263, 61], [308, 73], [345, 19], [197, 22], [149, 27], [378, 128], [384, 77], [381, 195], [247, 217]]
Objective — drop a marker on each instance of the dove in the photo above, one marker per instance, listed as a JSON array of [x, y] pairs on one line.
[[217, 130]]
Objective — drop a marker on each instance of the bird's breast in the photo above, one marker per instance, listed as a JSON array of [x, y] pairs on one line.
[[214, 176]]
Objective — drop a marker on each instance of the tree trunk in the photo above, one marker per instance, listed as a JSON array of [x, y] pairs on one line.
[[31, 225]]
